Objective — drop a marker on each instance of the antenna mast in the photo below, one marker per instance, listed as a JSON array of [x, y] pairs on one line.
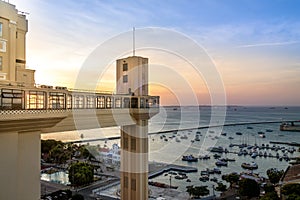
[[133, 41]]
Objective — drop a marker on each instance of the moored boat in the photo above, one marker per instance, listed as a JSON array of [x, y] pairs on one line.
[[221, 163], [250, 166], [290, 126], [189, 158]]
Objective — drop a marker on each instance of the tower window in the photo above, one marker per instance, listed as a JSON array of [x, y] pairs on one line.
[[0, 63], [125, 181], [133, 184], [133, 144], [125, 143], [125, 79], [125, 67]]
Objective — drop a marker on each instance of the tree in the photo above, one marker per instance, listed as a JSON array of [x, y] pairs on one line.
[[270, 193], [293, 197], [270, 196], [47, 145], [249, 188], [189, 189], [231, 178], [292, 191], [81, 174], [200, 191], [59, 154], [197, 191], [221, 187], [274, 175]]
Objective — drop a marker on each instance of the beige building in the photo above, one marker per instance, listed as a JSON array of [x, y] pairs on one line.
[[132, 79], [13, 29], [27, 110]]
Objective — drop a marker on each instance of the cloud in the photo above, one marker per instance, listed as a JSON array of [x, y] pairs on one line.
[[268, 44]]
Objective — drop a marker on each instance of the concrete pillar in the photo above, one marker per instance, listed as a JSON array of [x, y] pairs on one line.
[[134, 161], [20, 165], [9, 165], [29, 160]]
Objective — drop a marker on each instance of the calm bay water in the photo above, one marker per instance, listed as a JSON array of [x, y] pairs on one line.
[[171, 118]]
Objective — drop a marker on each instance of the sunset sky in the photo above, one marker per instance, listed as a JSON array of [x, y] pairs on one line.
[[253, 44]]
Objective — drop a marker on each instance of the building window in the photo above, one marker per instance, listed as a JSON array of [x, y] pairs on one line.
[[57, 100], [134, 102], [142, 103], [133, 184], [1, 30], [101, 102], [78, 101], [69, 101], [126, 102], [125, 67], [90, 102], [0, 63], [118, 102], [109, 102], [133, 144], [125, 142], [12, 99], [125, 79], [125, 181], [35, 100]]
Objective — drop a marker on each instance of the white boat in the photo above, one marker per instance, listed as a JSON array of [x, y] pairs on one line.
[[250, 166], [254, 155]]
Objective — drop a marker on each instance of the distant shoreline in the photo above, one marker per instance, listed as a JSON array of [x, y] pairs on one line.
[[175, 130]]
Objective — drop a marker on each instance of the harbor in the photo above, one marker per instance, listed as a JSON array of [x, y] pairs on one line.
[[169, 143]]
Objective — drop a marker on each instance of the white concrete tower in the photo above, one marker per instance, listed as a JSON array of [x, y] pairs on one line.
[[132, 78]]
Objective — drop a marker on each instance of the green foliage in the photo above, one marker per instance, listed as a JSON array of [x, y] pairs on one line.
[[81, 174], [269, 188], [47, 145], [231, 178], [197, 191], [270, 196], [221, 187], [77, 197], [292, 191], [249, 188], [293, 197], [59, 154], [85, 153], [274, 175]]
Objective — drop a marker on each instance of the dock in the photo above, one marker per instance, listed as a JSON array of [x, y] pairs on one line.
[[176, 130], [156, 169], [295, 144]]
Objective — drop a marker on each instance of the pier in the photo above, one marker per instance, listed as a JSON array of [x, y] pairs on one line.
[[176, 130]]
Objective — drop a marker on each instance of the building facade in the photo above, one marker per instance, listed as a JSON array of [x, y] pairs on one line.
[[13, 29]]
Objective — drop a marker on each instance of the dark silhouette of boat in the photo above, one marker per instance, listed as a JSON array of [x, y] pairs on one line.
[[189, 158]]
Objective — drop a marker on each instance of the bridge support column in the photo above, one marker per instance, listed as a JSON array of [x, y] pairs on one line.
[[134, 161], [20, 165]]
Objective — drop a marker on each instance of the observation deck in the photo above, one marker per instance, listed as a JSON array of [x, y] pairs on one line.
[[57, 109]]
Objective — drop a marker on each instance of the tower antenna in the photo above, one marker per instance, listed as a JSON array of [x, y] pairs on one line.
[[133, 41]]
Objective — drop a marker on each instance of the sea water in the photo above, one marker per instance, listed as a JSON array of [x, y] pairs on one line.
[[173, 118]]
